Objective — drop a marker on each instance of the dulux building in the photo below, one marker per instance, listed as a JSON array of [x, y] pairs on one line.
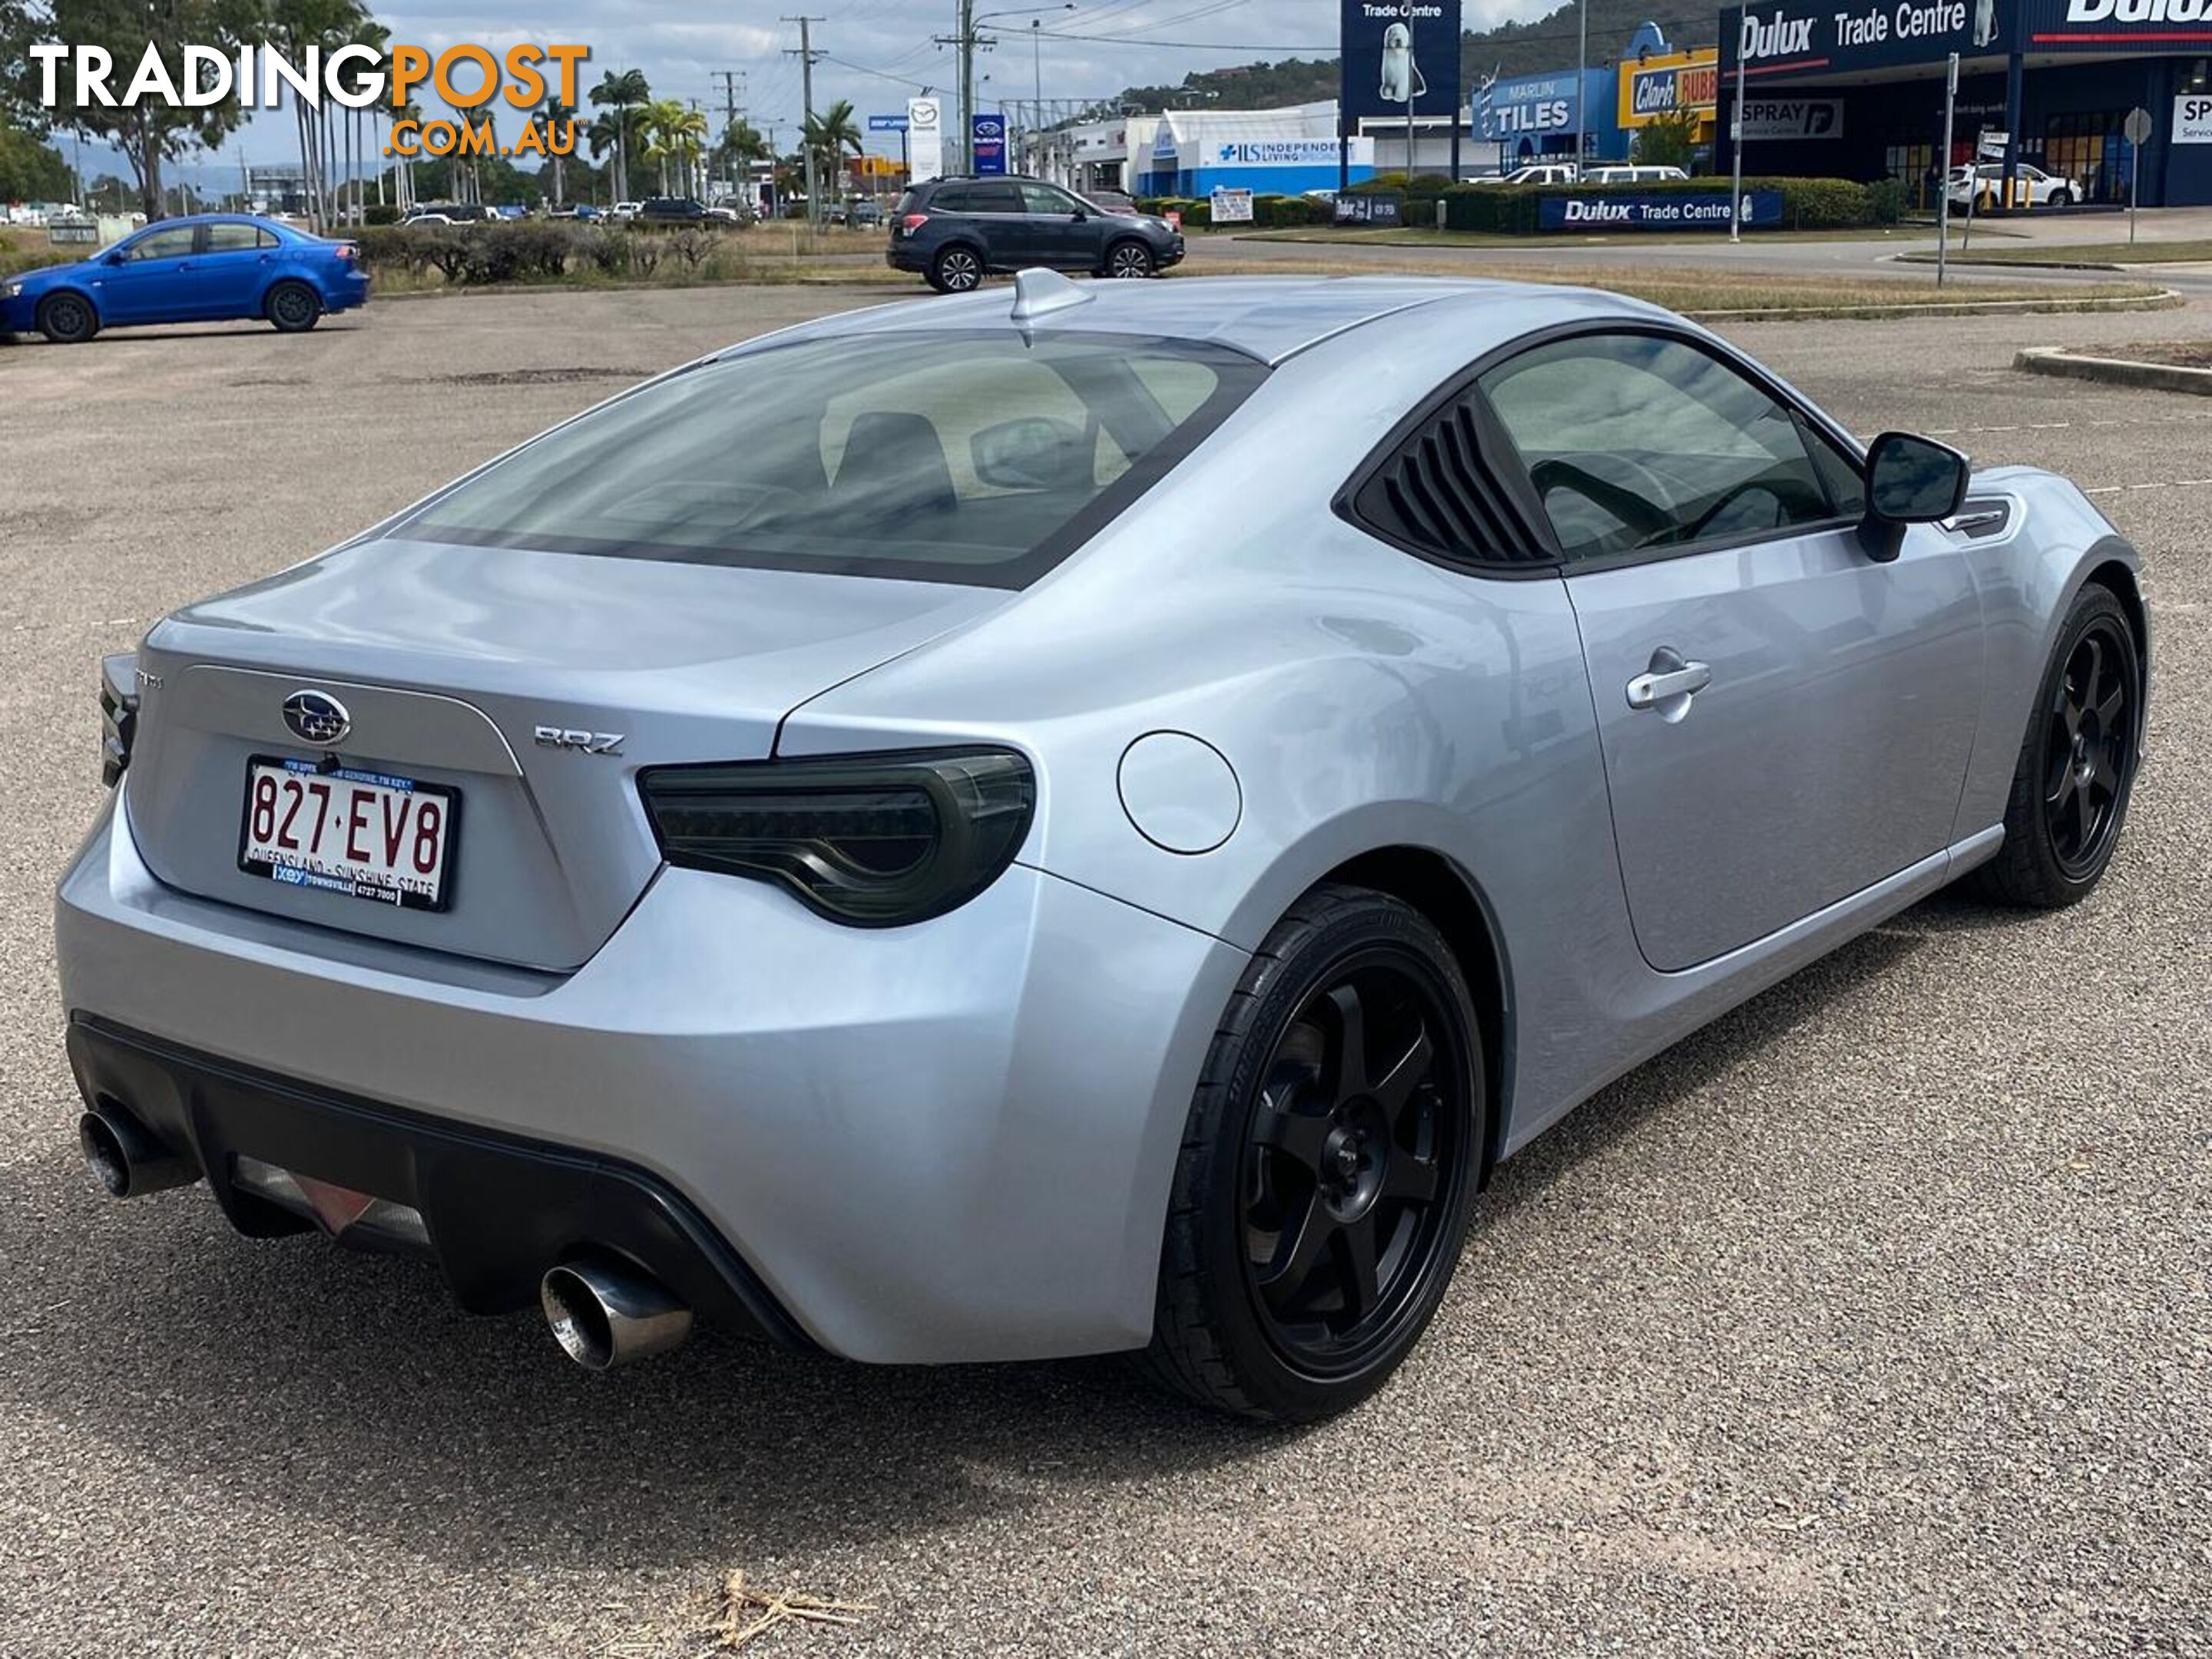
[[1857, 86]]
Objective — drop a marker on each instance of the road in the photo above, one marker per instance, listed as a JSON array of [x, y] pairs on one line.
[[1874, 1319], [1854, 257]]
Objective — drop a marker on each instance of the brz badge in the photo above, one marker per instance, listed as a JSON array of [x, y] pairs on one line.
[[317, 717], [583, 743]]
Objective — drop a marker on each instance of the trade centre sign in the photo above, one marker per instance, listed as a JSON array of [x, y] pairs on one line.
[[1703, 210], [1805, 36]]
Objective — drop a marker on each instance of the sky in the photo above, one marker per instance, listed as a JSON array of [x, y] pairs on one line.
[[879, 52]]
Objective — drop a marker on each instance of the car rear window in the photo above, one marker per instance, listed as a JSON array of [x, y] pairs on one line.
[[962, 456]]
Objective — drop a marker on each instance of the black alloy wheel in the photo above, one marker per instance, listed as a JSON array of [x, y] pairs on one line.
[[1129, 261], [1348, 1152], [294, 308], [67, 319], [1329, 1166], [2077, 763], [2087, 748], [957, 270]]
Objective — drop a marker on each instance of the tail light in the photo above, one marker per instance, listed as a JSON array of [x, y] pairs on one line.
[[118, 715], [874, 840], [911, 223], [348, 250]]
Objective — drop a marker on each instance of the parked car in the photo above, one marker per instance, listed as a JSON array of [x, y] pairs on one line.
[[576, 210], [968, 831], [1111, 201], [625, 211], [1633, 175], [865, 214], [207, 268], [1985, 183], [1548, 172], [446, 213], [955, 230], [672, 210]]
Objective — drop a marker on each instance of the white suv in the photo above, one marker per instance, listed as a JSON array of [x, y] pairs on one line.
[[2043, 189], [1632, 175]]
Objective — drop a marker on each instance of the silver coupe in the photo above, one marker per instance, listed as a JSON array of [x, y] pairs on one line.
[[1069, 818]]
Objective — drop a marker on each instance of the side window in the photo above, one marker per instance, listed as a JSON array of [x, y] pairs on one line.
[[1632, 441], [266, 238], [952, 199], [232, 239], [996, 196], [163, 243], [1043, 198]]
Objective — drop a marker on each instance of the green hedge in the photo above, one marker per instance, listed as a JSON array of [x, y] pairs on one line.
[[1807, 203], [542, 251]]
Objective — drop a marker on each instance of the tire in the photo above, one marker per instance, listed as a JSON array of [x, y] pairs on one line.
[[2077, 763], [294, 308], [958, 269], [1299, 1143], [2061, 199], [1131, 260], [67, 318]]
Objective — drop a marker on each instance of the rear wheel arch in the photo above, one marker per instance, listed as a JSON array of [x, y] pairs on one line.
[[1454, 904], [2116, 575]]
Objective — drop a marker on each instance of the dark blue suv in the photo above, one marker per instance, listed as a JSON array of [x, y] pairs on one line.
[[956, 231]]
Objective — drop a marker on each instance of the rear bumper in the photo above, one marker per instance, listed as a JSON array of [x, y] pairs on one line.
[[346, 291], [905, 256], [946, 1142], [497, 1210]]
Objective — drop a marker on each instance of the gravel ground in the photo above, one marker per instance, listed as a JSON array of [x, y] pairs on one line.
[[1873, 1319]]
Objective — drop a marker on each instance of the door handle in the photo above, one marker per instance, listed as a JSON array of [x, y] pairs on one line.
[[1670, 677]]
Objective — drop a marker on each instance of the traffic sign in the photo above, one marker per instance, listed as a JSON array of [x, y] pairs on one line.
[[2137, 126]]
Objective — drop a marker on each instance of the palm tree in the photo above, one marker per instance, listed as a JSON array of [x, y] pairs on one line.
[[673, 133], [742, 144], [482, 117], [604, 136], [831, 136], [403, 182], [623, 92], [554, 119]]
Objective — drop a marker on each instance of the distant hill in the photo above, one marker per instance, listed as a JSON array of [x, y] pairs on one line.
[[1546, 43]]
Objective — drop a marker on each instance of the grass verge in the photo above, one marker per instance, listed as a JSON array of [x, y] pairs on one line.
[[1419, 238], [2090, 255], [1701, 292]]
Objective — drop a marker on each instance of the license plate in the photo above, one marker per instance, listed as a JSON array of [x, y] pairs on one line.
[[365, 835]]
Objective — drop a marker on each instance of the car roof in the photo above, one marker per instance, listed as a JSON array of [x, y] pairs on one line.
[[1270, 318]]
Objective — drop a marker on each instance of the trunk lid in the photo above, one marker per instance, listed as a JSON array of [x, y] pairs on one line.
[[500, 674]]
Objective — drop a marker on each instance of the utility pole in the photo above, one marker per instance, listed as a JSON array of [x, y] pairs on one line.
[[1582, 89], [968, 86], [806, 55], [1735, 149], [1943, 169]]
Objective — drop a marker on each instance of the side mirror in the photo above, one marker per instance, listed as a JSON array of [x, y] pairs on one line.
[[1913, 480], [112, 258]]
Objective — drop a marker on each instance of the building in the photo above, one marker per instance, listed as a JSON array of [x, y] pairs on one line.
[[1281, 152], [1855, 90], [1524, 120]]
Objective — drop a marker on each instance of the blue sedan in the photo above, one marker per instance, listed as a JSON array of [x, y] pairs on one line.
[[210, 268]]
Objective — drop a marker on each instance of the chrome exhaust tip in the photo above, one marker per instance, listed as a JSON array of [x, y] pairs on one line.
[[605, 1314], [124, 1156]]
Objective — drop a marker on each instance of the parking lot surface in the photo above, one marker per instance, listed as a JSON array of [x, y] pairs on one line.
[[1874, 1319]]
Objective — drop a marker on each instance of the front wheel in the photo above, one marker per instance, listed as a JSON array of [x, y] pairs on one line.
[[1129, 261], [1327, 1168], [2062, 198], [2077, 765], [67, 319], [294, 308], [956, 270]]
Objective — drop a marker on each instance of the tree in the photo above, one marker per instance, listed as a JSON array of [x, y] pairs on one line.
[[741, 145], [553, 119], [30, 171], [673, 133], [623, 92], [154, 132], [832, 135], [1668, 139]]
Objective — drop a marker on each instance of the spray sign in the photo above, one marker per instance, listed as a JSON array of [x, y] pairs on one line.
[[1397, 53]]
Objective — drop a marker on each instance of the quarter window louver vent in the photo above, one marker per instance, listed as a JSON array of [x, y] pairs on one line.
[[1435, 495]]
